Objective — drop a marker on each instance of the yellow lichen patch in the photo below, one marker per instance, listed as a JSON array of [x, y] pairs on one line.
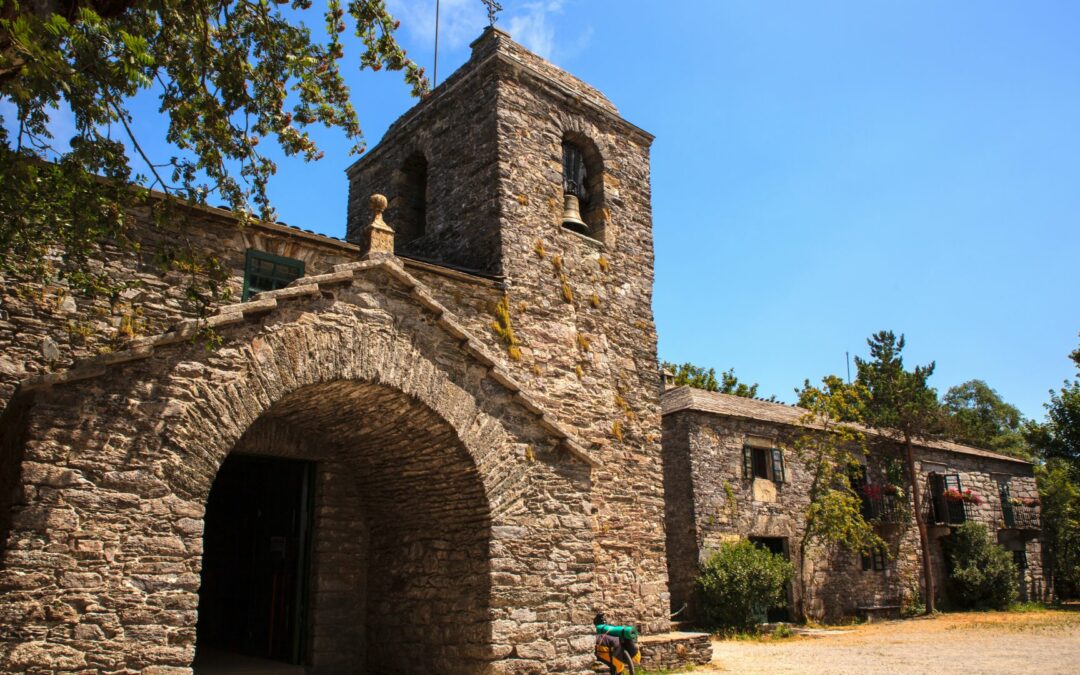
[[556, 262], [616, 430], [567, 292], [583, 342], [537, 370], [538, 246], [594, 300], [579, 372], [641, 325], [80, 331], [529, 456], [522, 199], [504, 329], [622, 403], [603, 263]]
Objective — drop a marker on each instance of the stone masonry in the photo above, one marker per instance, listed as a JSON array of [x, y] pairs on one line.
[[710, 500], [579, 306], [481, 409]]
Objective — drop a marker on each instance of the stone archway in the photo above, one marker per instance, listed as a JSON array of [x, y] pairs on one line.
[[102, 561], [399, 575]]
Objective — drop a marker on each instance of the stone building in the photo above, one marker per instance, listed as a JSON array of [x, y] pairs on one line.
[[434, 447], [730, 473]]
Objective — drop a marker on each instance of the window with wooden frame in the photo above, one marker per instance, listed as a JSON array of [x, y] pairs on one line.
[[762, 462], [267, 272], [875, 560], [950, 511]]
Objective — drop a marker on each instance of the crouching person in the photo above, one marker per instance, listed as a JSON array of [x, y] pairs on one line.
[[616, 646]]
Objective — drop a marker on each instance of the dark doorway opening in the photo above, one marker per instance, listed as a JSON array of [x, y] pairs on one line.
[[777, 546], [256, 541]]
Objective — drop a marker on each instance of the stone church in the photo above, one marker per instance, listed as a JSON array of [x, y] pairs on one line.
[[434, 447]]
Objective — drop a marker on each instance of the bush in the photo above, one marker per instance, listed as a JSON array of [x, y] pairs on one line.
[[738, 583], [982, 575]]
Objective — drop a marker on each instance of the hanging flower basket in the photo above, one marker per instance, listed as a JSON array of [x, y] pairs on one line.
[[954, 495]]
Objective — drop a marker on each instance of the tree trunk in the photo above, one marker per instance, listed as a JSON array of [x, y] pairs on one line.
[[800, 604], [924, 537]]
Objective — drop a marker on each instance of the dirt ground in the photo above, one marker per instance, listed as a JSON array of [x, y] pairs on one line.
[[992, 642]]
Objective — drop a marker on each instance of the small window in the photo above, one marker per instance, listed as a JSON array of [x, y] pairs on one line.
[[947, 508], [267, 272], [764, 463], [875, 560], [1020, 559]]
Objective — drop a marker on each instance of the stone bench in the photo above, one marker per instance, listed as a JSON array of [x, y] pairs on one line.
[[671, 651], [874, 613]]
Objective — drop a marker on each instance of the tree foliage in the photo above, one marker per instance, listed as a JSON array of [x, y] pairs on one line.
[[229, 75], [829, 450], [976, 415], [982, 574], [900, 404], [699, 377], [1059, 436], [1057, 441], [899, 401], [1060, 501], [738, 582]]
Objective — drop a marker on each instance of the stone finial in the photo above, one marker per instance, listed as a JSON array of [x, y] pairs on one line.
[[378, 205], [377, 239]]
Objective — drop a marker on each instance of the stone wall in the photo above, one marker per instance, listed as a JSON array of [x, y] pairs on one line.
[[710, 501], [46, 327], [453, 130], [480, 547], [582, 312], [578, 307], [983, 476], [566, 316]]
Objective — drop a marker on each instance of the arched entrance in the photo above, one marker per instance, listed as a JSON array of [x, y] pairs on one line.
[[347, 530], [449, 521]]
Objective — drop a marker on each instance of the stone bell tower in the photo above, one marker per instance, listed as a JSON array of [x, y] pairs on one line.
[[478, 176]]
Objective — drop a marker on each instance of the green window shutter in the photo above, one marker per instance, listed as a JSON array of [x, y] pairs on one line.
[[748, 461], [937, 497], [1007, 513], [778, 465], [956, 510], [268, 272]]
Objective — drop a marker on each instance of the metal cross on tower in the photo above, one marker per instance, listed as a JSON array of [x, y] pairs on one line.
[[493, 8]]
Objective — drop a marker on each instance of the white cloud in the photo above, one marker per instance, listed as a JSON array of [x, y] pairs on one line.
[[460, 21], [531, 23]]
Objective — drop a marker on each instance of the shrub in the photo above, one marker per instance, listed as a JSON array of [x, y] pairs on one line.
[[982, 575], [738, 583]]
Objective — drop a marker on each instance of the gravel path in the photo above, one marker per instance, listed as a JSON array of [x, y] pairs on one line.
[[992, 642]]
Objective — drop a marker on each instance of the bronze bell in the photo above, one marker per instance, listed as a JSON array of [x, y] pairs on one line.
[[571, 215]]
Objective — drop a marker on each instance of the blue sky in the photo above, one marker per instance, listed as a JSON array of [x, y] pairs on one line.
[[820, 171]]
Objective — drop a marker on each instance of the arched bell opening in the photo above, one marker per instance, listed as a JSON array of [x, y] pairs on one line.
[[583, 186], [348, 530]]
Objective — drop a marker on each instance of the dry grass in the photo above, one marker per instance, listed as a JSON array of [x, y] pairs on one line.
[[1043, 641]]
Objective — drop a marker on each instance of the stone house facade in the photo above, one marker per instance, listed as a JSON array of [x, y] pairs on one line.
[[433, 447], [730, 473]]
